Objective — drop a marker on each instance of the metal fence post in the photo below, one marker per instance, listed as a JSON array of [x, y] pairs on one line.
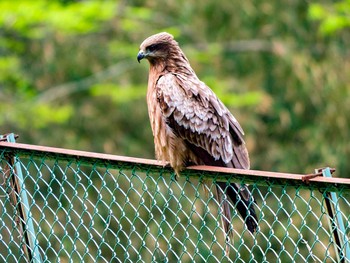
[[20, 201], [337, 223]]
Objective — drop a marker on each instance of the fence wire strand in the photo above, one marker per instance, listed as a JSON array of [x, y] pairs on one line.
[[91, 211]]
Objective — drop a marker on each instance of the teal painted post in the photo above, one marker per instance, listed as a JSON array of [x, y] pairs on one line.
[[29, 232], [344, 246]]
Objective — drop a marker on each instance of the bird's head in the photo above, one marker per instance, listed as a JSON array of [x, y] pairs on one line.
[[156, 47]]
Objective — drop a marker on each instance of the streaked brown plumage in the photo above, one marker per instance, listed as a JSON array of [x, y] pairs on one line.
[[191, 125]]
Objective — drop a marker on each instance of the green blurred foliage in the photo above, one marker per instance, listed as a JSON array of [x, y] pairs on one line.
[[69, 76], [333, 16]]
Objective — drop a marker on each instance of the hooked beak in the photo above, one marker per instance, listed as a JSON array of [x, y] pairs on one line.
[[140, 56]]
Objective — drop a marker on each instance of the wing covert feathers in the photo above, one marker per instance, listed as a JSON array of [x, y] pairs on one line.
[[195, 114]]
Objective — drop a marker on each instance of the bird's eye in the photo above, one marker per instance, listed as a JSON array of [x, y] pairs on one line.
[[152, 48]]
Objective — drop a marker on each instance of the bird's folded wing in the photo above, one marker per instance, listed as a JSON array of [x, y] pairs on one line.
[[194, 113]]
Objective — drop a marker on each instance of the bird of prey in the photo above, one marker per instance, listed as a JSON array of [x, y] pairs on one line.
[[191, 126]]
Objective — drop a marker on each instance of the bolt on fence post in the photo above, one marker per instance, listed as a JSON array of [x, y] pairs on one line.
[[20, 201], [336, 223]]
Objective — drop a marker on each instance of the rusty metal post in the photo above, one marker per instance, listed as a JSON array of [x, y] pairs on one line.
[[19, 199]]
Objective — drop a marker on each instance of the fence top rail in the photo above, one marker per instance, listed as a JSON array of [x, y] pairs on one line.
[[315, 181]]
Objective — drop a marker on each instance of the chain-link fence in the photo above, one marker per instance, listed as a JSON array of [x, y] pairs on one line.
[[68, 206]]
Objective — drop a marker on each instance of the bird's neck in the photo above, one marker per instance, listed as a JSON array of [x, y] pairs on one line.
[[174, 63], [157, 68]]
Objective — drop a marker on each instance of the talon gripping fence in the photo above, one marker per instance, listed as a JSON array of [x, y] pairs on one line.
[[62, 205]]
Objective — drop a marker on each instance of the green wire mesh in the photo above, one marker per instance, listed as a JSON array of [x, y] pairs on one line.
[[89, 211]]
